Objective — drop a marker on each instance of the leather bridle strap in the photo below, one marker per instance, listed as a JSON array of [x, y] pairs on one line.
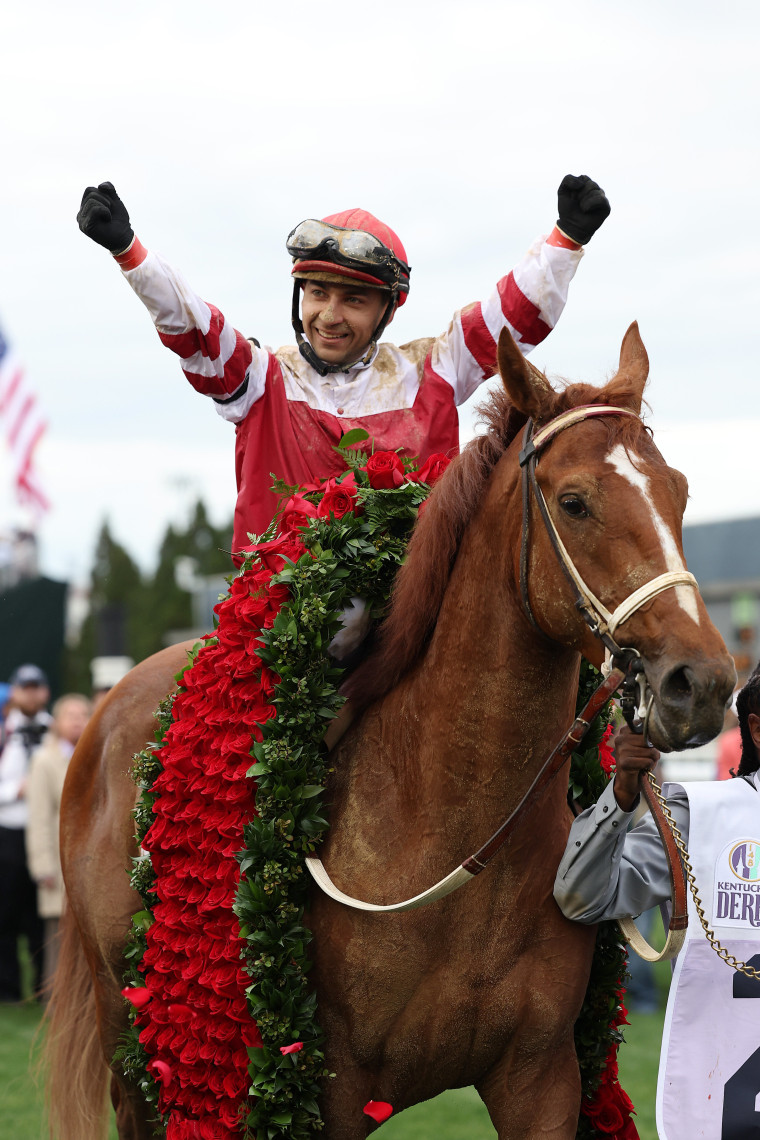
[[679, 919]]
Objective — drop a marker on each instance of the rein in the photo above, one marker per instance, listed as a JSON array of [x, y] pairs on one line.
[[603, 625]]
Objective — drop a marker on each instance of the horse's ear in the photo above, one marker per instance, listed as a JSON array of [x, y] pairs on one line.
[[633, 370], [527, 388]]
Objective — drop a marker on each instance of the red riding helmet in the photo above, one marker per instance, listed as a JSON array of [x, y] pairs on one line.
[[352, 244], [338, 246]]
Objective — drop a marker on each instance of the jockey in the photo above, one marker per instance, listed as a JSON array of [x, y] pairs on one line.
[[350, 274], [709, 1077]]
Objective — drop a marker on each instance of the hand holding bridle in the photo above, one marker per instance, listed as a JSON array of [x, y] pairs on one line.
[[633, 756]]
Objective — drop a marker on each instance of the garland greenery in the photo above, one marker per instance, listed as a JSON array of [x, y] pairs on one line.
[[266, 675]]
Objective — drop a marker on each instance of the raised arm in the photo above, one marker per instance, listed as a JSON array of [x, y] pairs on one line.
[[529, 300], [217, 360]]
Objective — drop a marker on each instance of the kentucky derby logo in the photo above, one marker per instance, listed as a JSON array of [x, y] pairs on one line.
[[736, 895], [744, 860]]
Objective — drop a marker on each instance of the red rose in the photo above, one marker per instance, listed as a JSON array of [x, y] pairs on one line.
[[385, 470], [606, 755], [620, 1017], [604, 1113], [347, 482], [336, 502], [296, 514], [431, 469], [139, 996], [274, 553], [379, 1110], [624, 1100]]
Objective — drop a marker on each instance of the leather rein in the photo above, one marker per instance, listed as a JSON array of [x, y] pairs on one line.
[[623, 667]]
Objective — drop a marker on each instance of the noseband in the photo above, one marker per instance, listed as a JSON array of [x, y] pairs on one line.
[[602, 623]]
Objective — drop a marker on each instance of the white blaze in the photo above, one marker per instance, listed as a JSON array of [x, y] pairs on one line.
[[685, 595]]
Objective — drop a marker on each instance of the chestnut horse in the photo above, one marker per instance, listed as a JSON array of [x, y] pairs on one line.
[[462, 701]]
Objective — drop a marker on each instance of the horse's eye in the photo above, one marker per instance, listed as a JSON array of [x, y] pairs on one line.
[[574, 507]]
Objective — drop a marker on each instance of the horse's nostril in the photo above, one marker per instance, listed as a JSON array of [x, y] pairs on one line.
[[678, 683]]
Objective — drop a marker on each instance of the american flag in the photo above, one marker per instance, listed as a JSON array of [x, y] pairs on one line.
[[22, 427]]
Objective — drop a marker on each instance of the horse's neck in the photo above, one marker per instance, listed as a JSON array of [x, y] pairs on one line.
[[491, 696], [499, 672]]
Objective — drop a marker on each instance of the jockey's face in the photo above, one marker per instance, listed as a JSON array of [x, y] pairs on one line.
[[339, 320]]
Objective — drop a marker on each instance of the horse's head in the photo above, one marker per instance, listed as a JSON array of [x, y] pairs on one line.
[[616, 509]]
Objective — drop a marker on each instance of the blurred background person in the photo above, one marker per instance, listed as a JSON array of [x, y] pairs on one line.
[[5, 701], [729, 743], [107, 672], [25, 726], [47, 770]]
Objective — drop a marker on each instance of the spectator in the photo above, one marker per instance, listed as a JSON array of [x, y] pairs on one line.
[[44, 786], [26, 724]]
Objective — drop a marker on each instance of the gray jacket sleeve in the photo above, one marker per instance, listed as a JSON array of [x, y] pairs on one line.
[[609, 871]]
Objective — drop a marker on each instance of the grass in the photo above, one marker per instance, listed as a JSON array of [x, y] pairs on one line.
[[456, 1115]]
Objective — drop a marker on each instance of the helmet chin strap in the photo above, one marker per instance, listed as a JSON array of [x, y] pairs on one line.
[[307, 351]]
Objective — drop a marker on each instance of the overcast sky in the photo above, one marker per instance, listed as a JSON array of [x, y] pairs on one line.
[[222, 126]]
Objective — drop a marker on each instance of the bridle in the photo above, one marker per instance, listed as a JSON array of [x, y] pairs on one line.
[[602, 623], [624, 666]]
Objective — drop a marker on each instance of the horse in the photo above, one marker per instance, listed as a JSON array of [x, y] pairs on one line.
[[470, 685]]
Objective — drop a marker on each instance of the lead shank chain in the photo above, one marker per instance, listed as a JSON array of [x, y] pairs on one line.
[[721, 951]]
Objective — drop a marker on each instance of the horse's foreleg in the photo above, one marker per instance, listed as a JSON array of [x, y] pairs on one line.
[[133, 1116], [536, 1097], [344, 1096], [133, 1120]]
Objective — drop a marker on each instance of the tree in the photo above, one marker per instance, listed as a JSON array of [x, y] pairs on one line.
[[115, 587], [130, 614]]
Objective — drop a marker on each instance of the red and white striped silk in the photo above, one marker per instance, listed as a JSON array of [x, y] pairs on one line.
[[289, 418], [22, 427]]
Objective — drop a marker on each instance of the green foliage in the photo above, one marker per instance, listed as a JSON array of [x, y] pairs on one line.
[[145, 606], [115, 587]]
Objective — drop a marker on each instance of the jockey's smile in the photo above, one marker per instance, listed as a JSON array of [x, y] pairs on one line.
[[339, 320]]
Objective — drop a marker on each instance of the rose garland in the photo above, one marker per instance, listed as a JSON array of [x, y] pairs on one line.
[[218, 958]]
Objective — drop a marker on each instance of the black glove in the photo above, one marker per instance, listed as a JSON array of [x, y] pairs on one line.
[[582, 206], [104, 218]]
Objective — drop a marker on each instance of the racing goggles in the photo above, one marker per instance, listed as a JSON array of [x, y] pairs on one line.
[[313, 240]]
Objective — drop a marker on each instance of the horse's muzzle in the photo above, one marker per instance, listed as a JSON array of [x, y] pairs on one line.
[[690, 701]]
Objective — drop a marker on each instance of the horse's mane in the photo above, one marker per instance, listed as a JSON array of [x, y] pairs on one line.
[[438, 533]]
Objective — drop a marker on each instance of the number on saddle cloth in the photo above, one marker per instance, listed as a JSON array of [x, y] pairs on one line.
[[741, 1119]]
